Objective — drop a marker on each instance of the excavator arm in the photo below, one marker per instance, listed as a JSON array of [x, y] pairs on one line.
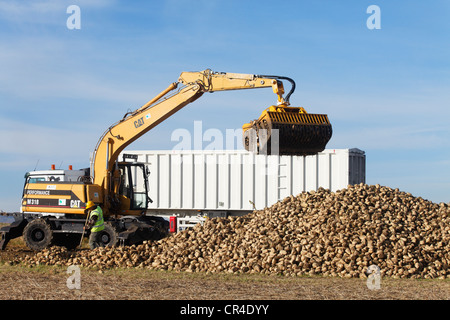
[[190, 87], [221, 81]]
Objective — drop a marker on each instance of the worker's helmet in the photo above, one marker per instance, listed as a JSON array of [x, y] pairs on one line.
[[90, 204]]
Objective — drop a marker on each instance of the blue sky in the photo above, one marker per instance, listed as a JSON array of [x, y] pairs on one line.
[[386, 91]]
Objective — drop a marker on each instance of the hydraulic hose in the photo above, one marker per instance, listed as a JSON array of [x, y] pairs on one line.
[[283, 78]]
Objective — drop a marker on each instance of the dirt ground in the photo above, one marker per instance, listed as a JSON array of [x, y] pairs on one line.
[[19, 282]]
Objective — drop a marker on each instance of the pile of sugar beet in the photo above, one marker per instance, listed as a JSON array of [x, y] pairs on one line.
[[338, 233]]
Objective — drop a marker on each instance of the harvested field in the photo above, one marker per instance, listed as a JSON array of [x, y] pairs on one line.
[[49, 283]]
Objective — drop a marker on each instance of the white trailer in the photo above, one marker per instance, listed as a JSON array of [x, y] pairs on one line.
[[234, 182]]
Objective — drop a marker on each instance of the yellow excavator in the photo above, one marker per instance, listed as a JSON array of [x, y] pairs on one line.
[[54, 201]]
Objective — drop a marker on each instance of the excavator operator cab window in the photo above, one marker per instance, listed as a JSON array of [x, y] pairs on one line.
[[134, 185], [124, 183], [36, 180]]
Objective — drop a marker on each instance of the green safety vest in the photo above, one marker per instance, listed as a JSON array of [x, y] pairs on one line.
[[99, 224]]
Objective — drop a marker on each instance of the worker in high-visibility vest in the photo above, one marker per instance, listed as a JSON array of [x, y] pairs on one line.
[[95, 224]]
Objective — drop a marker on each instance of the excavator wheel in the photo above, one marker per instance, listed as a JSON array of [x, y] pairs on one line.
[[109, 236], [38, 234]]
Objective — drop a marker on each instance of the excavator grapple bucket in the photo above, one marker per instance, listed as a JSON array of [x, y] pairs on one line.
[[287, 131]]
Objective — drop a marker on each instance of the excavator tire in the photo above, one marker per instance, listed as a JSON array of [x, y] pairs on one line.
[[109, 236], [38, 234]]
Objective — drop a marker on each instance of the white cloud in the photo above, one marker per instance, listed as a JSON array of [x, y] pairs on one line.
[[400, 137], [27, 140], [36, 68], [14, 9], [44, 11]]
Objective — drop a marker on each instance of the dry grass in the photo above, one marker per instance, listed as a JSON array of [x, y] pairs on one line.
[[49, 283]]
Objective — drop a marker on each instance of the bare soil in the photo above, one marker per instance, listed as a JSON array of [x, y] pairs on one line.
[[18, 282]]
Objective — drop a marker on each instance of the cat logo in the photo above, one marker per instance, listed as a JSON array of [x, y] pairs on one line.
[[75, 203], [139, 122]]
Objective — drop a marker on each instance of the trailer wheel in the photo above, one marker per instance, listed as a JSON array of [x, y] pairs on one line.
[[37, 234], [108, 236]]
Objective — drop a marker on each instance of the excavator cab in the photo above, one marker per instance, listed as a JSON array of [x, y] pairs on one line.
[[133, 188]]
